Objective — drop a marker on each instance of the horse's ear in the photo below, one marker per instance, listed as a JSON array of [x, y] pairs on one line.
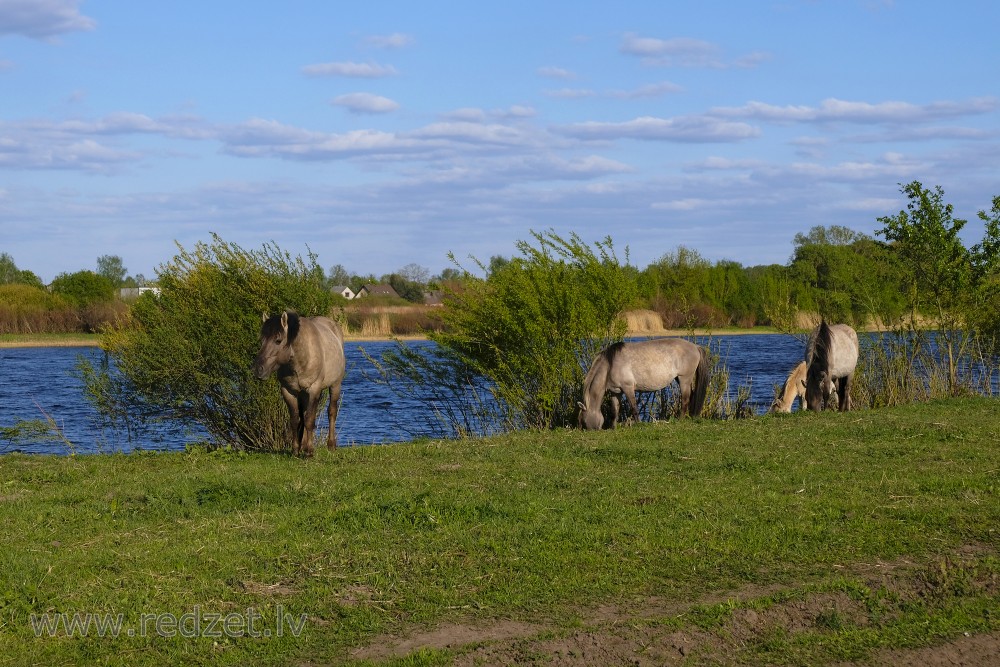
[[284, 320], [263, 317], [581, 406]]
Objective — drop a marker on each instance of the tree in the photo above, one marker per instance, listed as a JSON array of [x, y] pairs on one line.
[[186, 354], [938, 268], [338, 275], [11, 275], [83, 288], [112, 268], [515, 344]]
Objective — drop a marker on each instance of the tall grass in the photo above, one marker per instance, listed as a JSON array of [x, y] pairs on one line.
[[25, 309], [906, 365]]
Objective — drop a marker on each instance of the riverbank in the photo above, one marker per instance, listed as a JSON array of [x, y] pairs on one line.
[[9, 341], [803, 539]]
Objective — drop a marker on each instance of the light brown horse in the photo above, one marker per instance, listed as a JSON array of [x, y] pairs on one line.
[[650, 365], [831, 357], [308, 355], [795, 387]]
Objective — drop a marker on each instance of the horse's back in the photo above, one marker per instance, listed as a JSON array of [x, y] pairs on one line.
[[654, 363], [846, 349], [326, 344]]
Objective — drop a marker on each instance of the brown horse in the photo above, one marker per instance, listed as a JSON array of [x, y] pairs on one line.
[[831, 357], [308, 355], [650, 365]]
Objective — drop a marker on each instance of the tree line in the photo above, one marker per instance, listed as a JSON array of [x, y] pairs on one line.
[[916, 266]]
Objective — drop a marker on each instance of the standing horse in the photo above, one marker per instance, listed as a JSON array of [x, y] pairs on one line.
[[650, 365], [308, 355], [831, 356]]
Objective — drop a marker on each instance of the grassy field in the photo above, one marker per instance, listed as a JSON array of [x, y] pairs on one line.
[[802, 539]]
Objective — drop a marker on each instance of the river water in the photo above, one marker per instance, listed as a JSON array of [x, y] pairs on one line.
[[39, 384]]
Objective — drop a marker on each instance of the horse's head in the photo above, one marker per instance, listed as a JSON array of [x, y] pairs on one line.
[[590, 418], [276, 336], [819, 387]]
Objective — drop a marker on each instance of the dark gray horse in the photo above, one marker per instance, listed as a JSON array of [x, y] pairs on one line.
[[308, 355], [831, 357], [649, 365]]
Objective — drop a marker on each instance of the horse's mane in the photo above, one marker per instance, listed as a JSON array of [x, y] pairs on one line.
[[822, 344], [606, 355], [273, 326]]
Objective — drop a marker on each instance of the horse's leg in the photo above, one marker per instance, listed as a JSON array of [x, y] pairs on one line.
[[615, 408], [685, 386], [844, 392], [331, 411], [632, 403], [292, 429], [309, 422]]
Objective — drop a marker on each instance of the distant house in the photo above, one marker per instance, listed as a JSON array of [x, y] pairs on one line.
[[136, 292], [344, 291], [377, 290]]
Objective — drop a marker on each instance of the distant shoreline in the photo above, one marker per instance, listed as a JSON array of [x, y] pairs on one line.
[[14, 341]]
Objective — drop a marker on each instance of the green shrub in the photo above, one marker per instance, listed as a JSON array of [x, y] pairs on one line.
[[515, 345], [83, 288], [186, 354]]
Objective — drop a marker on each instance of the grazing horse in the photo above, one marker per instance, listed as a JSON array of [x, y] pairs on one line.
[[650, 365], [308, 355], [795, 387], [831, 356]]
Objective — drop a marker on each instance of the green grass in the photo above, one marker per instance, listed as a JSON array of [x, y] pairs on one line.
[[534, 526], [49, 340]]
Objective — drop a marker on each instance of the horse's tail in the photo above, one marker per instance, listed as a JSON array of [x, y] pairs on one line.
[[700, 385]]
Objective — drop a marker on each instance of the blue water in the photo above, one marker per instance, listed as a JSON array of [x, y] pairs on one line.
[[39, 384]]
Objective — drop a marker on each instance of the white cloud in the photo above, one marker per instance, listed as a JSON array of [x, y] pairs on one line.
[[555, 73], [694, 129], [42, 19], [396, 40], [365, 103], [684, 52], [350, 69], [834, 110], [571, 93], [649, 90]]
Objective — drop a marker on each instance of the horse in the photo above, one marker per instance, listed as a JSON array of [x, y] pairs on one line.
[[794, 388], [650, 365], [831, 356], [307, 353]]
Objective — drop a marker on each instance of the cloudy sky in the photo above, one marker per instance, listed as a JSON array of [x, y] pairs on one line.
[[381, 134]]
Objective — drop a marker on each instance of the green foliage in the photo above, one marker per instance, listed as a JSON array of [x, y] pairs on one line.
[[946, 280], [526, 333], [10, 274], [112, 268], [186, 355], [30, 309], [83, 288]]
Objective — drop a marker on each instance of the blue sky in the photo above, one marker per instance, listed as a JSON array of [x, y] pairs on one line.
[[381, 134]]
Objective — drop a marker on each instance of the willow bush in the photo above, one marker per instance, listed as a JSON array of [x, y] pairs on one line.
[[515, 345], [186, 354]]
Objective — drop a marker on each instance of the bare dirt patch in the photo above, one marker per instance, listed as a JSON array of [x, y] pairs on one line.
[[655, 631]]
